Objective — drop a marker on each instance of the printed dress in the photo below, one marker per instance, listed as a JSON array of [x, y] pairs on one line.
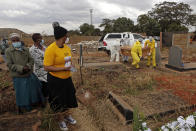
[[38, 56]]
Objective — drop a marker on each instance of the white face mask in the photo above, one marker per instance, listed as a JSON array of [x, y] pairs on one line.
[[67, 40]]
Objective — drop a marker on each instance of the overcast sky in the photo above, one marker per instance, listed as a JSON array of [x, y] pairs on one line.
[[37, 15]]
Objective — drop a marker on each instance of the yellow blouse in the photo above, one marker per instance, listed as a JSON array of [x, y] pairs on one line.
[[54, 56]]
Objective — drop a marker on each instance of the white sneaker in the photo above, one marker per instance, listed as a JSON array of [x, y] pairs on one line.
[[63, 126], [70, 120]]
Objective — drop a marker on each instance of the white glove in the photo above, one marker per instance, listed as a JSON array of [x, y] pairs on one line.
[[149, 54]]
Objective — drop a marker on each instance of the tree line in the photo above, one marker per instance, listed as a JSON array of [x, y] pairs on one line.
[[164, 17]]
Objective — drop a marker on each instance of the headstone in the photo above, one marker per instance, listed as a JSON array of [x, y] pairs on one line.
[[175, 57]]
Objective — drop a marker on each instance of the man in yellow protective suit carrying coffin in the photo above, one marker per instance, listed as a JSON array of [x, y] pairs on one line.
[[152, 54], [136, 53]]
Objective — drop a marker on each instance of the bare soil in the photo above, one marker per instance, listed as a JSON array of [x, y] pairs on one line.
[[152, 90]]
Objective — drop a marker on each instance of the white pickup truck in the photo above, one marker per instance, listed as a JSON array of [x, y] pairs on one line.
[[106, 41]]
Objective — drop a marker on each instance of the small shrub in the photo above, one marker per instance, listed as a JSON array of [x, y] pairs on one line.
[[138, 119], [48, 121]]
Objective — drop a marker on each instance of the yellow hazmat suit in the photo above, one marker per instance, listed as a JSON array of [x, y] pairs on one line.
[[136, 53], [152, 54]]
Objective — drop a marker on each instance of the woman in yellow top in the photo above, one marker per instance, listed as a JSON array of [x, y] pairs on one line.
[[57, 61], [136, 53], [152, 54]]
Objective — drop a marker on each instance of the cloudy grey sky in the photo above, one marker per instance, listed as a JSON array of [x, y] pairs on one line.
[[37, 15]]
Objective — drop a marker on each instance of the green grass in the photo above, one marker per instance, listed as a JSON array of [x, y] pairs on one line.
[[49, 123], [138, 119], [139, 87]]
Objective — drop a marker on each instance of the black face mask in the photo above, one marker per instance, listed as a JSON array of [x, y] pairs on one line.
[[61, 46]]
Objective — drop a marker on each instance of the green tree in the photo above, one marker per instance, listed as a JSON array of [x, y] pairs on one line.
[[123, 24], [177, 27], [148, 25], [108, 25], [167, 13], [74, 32], [96, 32], [86, 29]]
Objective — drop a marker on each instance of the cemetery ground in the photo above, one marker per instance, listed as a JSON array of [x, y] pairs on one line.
[[150, 92]]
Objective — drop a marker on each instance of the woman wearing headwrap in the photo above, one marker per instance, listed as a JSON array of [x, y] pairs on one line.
[[26, 84], [57, 61]]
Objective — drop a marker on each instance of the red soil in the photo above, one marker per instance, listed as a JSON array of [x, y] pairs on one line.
[[182, 86]]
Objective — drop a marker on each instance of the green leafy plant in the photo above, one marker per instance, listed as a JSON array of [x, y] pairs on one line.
[[138, 119]]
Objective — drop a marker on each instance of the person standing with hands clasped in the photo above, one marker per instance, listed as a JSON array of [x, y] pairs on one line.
[[58, 62], [26, 84]]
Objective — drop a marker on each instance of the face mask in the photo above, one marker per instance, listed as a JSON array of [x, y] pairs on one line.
[[17, 44], [67, 40], [42, 42]]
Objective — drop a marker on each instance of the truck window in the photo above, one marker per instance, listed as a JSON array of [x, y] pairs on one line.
[[114, 36], [137, 36], [125, 34]]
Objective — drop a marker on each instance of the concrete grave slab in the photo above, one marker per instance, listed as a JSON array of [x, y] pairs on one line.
[[166, 103], [158, 103], [125, 110], [175, 60]]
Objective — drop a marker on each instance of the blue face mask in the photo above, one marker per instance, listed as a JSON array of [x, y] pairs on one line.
[[42, 42], [17, 44]]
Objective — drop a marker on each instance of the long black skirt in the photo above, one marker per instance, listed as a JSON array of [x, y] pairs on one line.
[[61, 93]]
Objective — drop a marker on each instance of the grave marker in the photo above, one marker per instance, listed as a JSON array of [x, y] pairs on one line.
[[175, 57]]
